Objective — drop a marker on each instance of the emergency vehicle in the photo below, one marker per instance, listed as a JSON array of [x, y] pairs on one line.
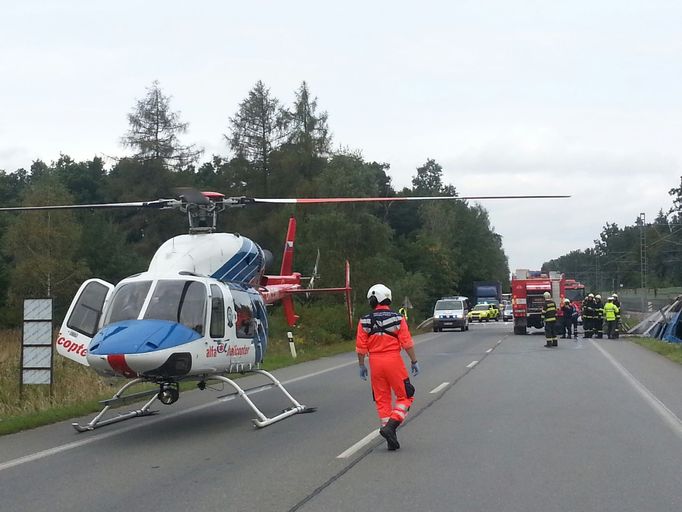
[[575, 292], [528, 287]]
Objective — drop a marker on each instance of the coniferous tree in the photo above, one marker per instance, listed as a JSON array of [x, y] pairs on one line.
[[307, 128], [154, 131], [258, 128]]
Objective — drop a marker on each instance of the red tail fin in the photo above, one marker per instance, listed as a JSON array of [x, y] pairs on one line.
[[289, 314], [288, 256]]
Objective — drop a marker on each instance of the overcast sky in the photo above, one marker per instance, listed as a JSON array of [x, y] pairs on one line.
[[580, 97]]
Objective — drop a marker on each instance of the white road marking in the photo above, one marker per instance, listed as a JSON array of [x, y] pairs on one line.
[[360, 444], [489, 351], [472, 364], [149, 421], [668, 416], [439, 387]]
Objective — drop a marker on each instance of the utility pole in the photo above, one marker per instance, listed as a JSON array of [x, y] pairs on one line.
[[642, 261], [642, 249]]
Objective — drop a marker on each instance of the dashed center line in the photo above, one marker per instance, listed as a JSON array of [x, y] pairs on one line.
[[472, 364], [439, 387], [489, 351]]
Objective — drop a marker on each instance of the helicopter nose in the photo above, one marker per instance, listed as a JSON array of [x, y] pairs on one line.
[[140, 336], [138, 347]]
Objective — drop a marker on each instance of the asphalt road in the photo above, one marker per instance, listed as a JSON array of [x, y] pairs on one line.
[[510, 425]]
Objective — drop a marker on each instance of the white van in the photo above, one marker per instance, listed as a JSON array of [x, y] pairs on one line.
[[451, 312]]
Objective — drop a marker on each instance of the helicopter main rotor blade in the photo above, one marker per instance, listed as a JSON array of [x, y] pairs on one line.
[[315, 200], [160, 203]]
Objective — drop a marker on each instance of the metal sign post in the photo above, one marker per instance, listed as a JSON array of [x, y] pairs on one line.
[[36, 353]]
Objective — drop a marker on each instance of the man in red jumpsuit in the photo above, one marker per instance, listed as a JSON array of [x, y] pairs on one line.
[[382, 334]]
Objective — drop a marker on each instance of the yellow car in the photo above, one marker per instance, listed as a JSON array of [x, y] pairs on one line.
[[485, 312]]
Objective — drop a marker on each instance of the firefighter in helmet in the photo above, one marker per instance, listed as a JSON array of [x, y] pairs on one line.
[[381, 335], [610, 314], [616, 301], [568, 319], [598, 317], [549, 317], [588, 316]]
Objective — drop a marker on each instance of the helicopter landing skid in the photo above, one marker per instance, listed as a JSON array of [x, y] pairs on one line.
[[263, 420], [143, 411]]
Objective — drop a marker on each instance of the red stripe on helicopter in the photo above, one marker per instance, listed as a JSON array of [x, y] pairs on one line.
[[119, 365]]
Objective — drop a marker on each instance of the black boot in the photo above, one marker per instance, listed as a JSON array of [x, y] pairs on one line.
[[388, 433]]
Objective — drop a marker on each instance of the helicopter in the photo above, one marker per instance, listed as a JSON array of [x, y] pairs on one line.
[[198, 313]]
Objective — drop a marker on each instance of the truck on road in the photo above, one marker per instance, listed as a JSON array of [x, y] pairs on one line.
[[487, 292]]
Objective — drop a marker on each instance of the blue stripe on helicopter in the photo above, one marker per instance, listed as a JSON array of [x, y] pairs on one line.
[[243, 266], [140, 336]]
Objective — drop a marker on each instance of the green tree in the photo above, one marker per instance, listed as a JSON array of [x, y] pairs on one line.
[[84, 180], [307, 128], [42, 248], [154, 130], [132, 180], [258, 127], [429, 180]]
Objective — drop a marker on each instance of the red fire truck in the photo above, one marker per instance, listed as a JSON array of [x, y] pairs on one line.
[[575, 292], [528, 288]]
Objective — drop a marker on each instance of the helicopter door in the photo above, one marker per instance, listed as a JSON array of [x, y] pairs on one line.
[[83, 319], [246, 329]]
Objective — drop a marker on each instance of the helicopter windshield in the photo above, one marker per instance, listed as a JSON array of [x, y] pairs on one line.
[[179, 301], [128, 300]]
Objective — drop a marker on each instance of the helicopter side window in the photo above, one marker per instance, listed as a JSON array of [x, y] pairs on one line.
[[217, 313], [245, 324], [128, 300], [86, 312], [179, 301]]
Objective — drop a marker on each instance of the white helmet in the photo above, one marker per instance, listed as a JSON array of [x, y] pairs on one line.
[[547, 295], [615, 295], [380, 291], [568, 301], [597, 296], [591, 295]]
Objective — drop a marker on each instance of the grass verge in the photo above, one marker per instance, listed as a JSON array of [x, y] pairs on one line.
[[672, 351]]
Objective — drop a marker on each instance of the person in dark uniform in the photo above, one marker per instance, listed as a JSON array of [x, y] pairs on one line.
[[588, 316], [549, 317], [567, 311], [598, 317]]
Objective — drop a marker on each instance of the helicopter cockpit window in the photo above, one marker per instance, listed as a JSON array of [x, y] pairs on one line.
[[179, 301], [128, 300], [217, 313], [246, 323]]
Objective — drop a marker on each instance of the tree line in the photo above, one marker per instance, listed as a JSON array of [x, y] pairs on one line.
[[647, 253], [420, 250]]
